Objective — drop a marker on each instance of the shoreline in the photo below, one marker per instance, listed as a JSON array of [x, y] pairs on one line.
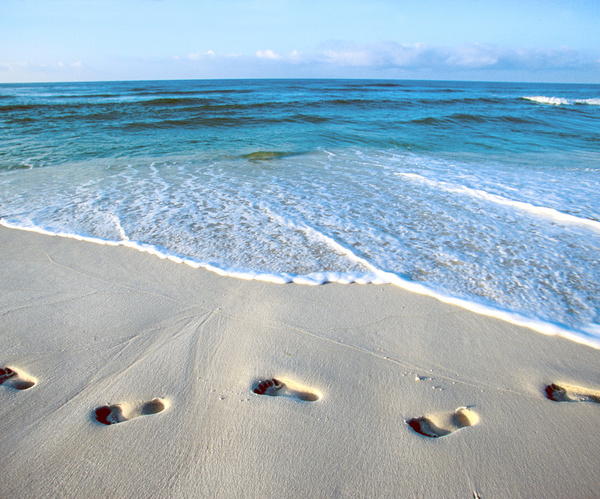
[[380, 277], [361, 366]]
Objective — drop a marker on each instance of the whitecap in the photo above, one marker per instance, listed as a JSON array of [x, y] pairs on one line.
[[560, 101]]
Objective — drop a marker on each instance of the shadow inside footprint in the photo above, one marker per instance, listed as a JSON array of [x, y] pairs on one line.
[[274, 387], [440, 425], [113, 414], [153, 407], [557, 393], [12, 379], [571, 393], [426, 427], [110, 414]]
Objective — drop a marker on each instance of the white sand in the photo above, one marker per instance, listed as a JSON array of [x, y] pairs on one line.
[[97, 325]]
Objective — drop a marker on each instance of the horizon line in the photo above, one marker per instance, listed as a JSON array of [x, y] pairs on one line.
[[134, 80]]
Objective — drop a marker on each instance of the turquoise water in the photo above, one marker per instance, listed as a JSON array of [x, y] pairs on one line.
[[482, 192]]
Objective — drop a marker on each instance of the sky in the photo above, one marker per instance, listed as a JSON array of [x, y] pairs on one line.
[[491, 40]]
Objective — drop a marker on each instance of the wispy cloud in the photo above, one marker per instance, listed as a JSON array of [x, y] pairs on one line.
[[390, 59], [389, 55], [380, 54], [58, 67], [268, 54], [199, 55], [336, 59]]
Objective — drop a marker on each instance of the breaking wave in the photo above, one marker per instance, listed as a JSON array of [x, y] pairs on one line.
[[560, 101]]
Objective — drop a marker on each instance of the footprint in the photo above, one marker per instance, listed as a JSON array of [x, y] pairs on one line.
[[14, 379], [571, 393], [275, 387], [113, 414], [440, 425]]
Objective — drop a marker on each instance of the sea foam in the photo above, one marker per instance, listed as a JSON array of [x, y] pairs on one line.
[[560, 101], [589, 336], [541, 211]]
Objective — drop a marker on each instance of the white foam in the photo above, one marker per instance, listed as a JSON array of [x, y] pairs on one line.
[[560, 101], [156, 251], [553, 101], [319, 236], [590, 335], [542, 211], [120, 229]]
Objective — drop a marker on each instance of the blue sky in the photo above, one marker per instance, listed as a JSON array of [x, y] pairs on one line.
[[499, 40]]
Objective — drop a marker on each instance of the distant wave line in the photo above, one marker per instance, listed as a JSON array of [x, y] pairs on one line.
[[462, 118], [204, 101], [220, 121]]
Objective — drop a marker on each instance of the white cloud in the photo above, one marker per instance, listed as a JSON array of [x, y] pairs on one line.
[[373, 55], [19, 72], [58, 67], [472, 56], [294, 56], [349, 58], [268, 54], [389, 59], [199, 55], [383, 59], [387, 54]]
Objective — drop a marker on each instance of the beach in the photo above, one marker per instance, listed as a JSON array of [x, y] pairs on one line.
[[180, 351]]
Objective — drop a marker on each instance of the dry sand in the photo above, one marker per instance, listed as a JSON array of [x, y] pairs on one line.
[[172, 355]]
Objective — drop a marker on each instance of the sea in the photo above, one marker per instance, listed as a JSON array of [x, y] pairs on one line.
[[484, 195]]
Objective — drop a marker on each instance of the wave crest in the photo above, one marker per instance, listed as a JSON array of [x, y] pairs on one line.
[[560, 101]]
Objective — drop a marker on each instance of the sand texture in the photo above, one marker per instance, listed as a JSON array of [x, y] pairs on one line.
[[124, 375]]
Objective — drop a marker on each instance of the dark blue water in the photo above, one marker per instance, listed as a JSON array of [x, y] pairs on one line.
[[483, 192]]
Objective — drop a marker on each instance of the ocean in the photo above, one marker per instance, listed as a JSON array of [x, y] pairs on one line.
[[485, 195]]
